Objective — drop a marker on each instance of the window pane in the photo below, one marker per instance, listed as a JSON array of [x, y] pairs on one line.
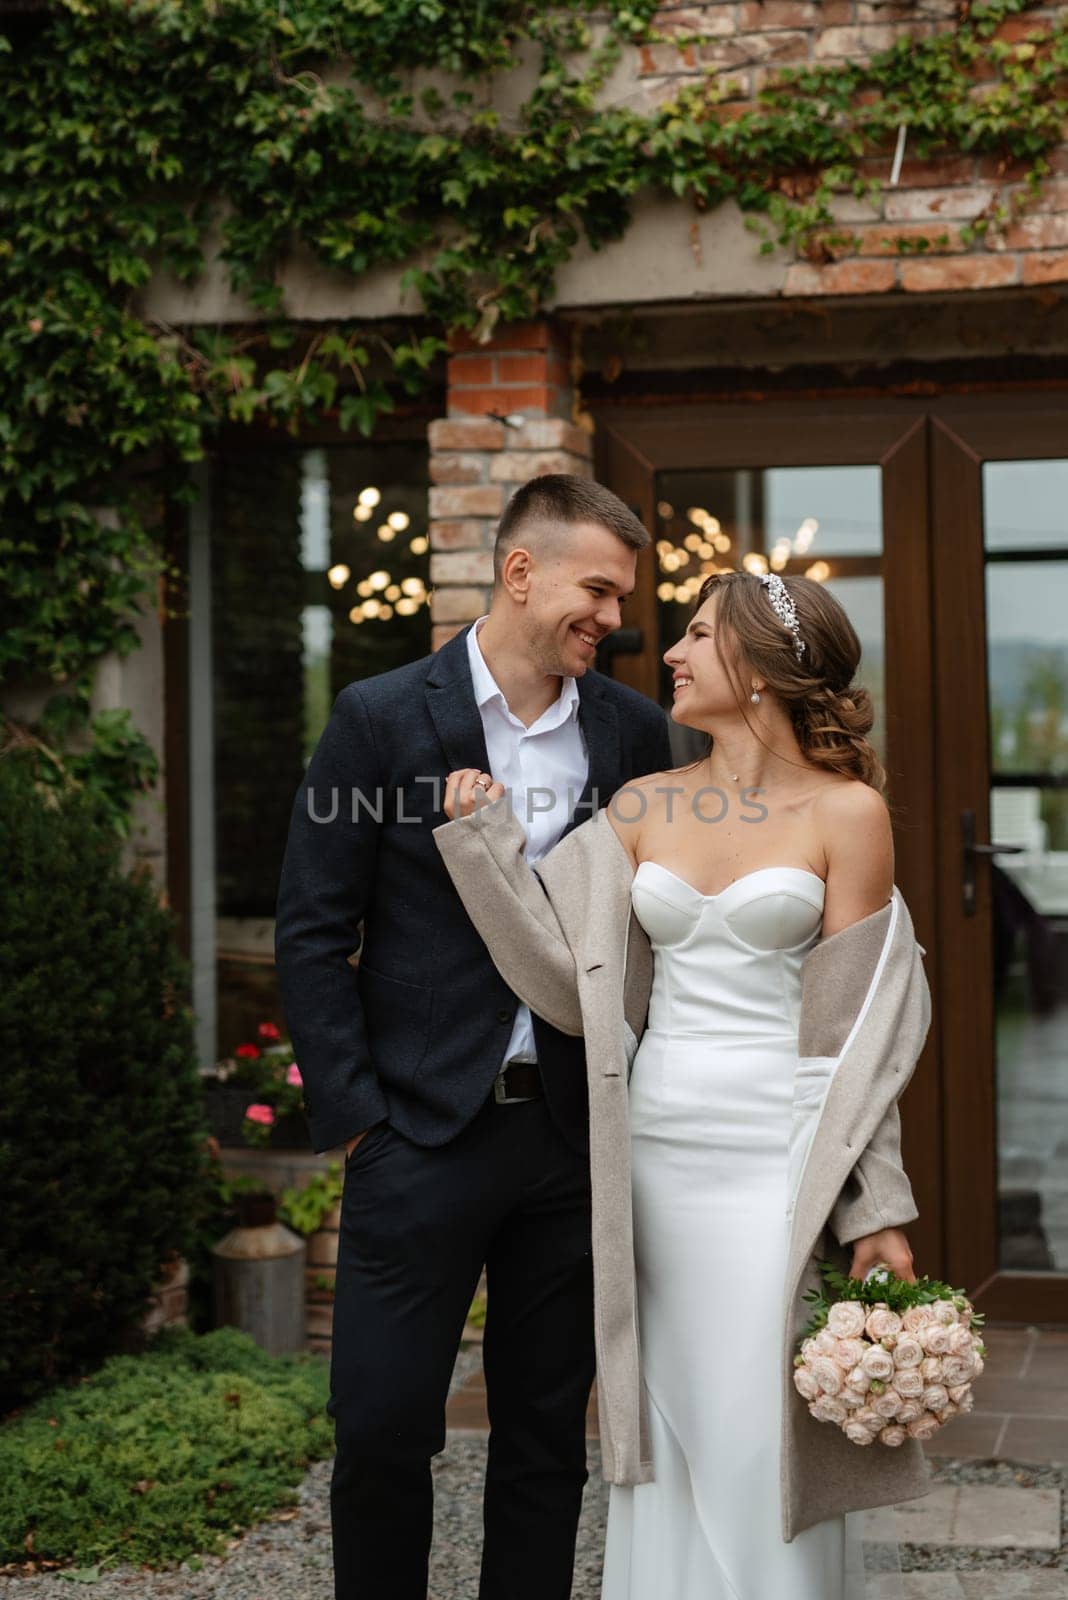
[[1025, 504], [844, 503], [1027, 643]]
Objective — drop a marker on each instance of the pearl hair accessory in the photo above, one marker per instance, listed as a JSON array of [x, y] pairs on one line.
[[784, 608]]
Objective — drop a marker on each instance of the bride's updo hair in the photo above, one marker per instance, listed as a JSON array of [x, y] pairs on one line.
[[831, 714]]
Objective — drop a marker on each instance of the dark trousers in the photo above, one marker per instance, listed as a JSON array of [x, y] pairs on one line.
[[417, 1225]]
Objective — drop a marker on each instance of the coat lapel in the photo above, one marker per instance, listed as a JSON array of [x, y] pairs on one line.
[[450, 700], [599, 721]]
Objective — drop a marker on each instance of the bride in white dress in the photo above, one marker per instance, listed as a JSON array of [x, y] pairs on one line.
[[743, 861]]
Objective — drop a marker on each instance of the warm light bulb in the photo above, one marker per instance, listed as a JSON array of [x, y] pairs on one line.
[[371, 608], [697, 514], [338, 575], [369, 497], [419, 546], [364, 588], [398, 520], [805, 535], [407, 608], [711, 526], [753, 561], [384, 613], [722, 542], [705, 550], [819, 572], [665, 509], [356, 614], [665, 591], [378, 580], [672, 562], [412, 586], [693, 541], [362, 513], [385, 532], [393, 592], [779, 558]]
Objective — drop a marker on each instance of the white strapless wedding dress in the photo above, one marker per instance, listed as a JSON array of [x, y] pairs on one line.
[[711, 1096]]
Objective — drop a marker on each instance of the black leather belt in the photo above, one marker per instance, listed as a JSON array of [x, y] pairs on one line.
[[517, 1081]]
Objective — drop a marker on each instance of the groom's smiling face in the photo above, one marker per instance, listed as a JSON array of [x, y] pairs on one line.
[[577, 581]]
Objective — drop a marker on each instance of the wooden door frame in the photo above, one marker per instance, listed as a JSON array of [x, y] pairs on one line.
[[964, 438], [633, 445]]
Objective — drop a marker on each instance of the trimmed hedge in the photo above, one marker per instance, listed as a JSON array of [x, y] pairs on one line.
[[101, 1139]]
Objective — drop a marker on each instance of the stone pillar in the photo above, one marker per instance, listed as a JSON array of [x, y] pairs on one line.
[[510, 404]]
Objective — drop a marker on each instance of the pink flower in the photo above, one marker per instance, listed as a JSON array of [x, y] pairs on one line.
[[908, 1351], [293, 1074], [935, 1397], [868, 1418], [878, 1363], [958, 1392], [858, 1380], [258, 1113], [267, 1030], [805, 1383], [848, 1352], [961, 1342], [825, 1343], [887, 1404], [828, 1409], [882, 1323], [893, 1435], [931, 1369], [945, 1312], [934, 1337], [958, 1369], [947, 1413], [846, 1319], [248, 1052], [964, 1400], [909, 1410], [909, 1383], [827, 1373], [924, 1427], [856, 1432], [915, 1317]]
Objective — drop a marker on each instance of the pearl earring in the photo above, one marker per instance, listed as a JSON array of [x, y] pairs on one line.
[[755, 697]]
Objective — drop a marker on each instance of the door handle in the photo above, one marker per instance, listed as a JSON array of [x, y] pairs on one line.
[[970, 850]]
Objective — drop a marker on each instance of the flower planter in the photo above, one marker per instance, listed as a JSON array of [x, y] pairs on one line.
[[225, 1105]]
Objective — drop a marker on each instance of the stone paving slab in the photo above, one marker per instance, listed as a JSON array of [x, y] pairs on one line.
[[969, 1586], [979, 1516]]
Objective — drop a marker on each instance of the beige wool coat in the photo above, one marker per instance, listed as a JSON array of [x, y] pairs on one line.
[[565, 939]]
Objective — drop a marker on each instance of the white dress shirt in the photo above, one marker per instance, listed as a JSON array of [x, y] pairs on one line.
[[543, 767]]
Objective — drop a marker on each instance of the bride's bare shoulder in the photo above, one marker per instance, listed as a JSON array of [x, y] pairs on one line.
[[634, 804]]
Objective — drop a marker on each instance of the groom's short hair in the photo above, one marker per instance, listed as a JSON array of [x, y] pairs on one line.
[[545, 504]]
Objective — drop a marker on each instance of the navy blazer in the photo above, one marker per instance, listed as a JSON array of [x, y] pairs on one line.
[[417, 1030]]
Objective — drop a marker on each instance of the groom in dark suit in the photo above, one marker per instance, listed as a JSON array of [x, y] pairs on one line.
[[464, 1118]]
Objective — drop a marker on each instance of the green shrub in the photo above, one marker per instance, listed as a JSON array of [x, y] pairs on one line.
[[163, 1454], [101, 1144]]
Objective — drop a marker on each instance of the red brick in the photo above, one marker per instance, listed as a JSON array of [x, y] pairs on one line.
[[963, 272], [474, 500], [467, 534], [882, 241], [518, 466], [549, 433], [538, 397], [1048, 266], [443, 632], [453, 467], [727, 54], [755, 15], [457, 605], [1034, 233], [1001, 169], [1014, 29], [469, 370], [688, 19], [852, 44], [939, 172], [515, 336], [923, 205], [661, 59], [844, 277], [528, 369], [462, 566], [465, 433]]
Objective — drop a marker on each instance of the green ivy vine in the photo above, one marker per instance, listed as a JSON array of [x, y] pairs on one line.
[[137, 135]]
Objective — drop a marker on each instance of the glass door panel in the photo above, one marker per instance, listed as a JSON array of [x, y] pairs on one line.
[[1026, 545], [822, 522]]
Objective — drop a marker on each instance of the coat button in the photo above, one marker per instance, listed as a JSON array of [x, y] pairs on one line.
[[503, 1015]]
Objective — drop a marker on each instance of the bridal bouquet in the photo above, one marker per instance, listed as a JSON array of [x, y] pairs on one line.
[[888, 1360]]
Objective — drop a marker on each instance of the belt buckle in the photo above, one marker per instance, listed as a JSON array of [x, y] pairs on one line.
[[499, 1094]]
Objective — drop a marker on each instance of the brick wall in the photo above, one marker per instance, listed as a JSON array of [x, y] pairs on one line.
[[744, 42], [477, 459]]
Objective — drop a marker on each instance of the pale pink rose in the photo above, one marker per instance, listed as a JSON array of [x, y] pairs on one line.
[[882, 1323], [915, 1318], [867, 1418], [966, 1313], [957, 1369], [908, 1351], [924, 1427], [827, 1373], [960, 1341], [805, 1383], [848, 1352], [909, 1383], [934, 1337], [824, 1343], [293, 1074], [959, 1390], [947, 1413], [846, 1319], [935, 1397], [859, 1380], [945, 1312], [856, 1432], [978, 1366], [909, 1410], [257, 1113], [878, 1363], [893, 1435], [828, 1409], [853, 1398], [887, 1404], [808, 1348], [931, 1369], [966, 1401]]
